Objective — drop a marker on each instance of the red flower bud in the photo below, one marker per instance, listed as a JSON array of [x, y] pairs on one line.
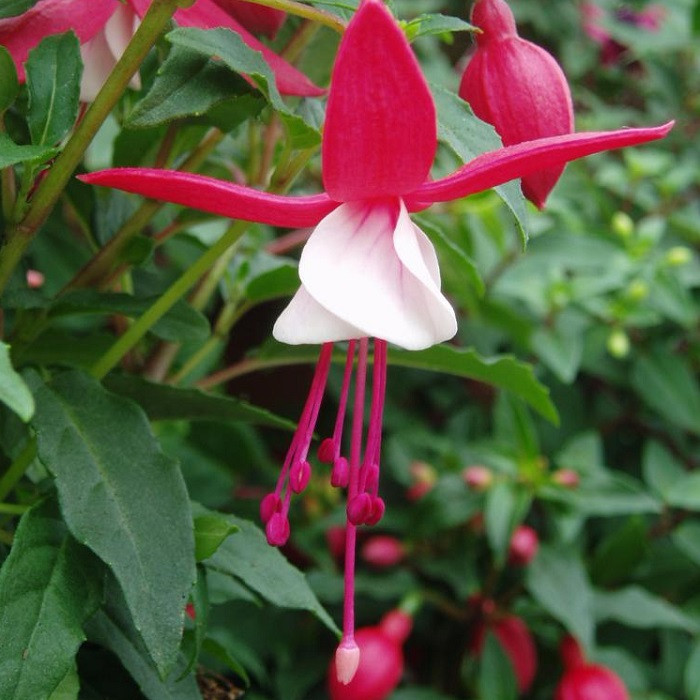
[[477, 477], [255, 18], [382, 551], [517, 87], [566, 477], [396, 625], [586, 681], [524, 544], [518, 644], [379, 672]]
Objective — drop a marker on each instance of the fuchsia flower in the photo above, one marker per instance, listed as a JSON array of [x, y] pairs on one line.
[[367, 270], [105, 27], [517, 87]]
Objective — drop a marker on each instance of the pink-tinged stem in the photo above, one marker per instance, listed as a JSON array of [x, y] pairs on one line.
[[355, 457]]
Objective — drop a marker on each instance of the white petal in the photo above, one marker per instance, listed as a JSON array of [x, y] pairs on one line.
[[306, 321], [98, 62], [377, 273]]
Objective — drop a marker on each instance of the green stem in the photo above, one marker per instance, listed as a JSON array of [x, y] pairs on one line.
[[306, 11], [8, 188], [16, 470], [98, 268], [13, 508], [176, 291], [48, 192]]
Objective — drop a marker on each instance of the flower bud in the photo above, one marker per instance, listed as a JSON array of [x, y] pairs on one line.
[[477, 477], [340, 474], [618, 344], [517, 87], [676, 256], [396, 625], [524, 544], [376, 512], [359, 508], [379, 670], [35, 279], [382, 551], [277, 530], [326, 451], [518, 644], [269, 505], [299, 476], [567, 478]]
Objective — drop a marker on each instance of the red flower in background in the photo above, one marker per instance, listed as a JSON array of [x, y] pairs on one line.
[[105, 27], [586, 681]]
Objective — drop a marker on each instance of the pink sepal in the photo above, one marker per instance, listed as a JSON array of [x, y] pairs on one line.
[[496, 167], [255, 18], [380, 134], [19, 35], [216, 196]]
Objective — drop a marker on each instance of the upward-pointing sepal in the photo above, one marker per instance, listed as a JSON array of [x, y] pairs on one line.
[[380, 134]]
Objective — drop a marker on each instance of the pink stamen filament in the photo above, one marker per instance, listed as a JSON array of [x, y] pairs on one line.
[[342, 405], [304, 432], [355, 457]]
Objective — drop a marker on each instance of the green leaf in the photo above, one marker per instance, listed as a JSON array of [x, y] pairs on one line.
[[636, 607], [666, 383], [12, 8], [661, 469], [11, 153], [240, 58], [685, 493], [619, 553], [181, 323], [691, 675], [496, 673], [68, 688], [502, 371], [219, 652], [416, 693], [687, 538], [557, 580], [163, 402], [210, 531], [249, 558], [282, 281], [9, 85], [469, 137], [195, 638], [13, 391], [122, 498], [112, 628], [187, 84], [505, 508], [49, 585], [53, 70], [451, 254], [427, 25]]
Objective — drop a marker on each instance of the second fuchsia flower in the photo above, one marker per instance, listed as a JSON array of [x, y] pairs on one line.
[[367, 270], [105, 27]]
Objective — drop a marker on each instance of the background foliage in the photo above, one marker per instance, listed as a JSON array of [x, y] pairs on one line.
[[138, 494]]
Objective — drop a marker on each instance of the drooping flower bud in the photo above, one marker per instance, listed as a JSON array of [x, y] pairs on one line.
[[517, 87], [477, 477], [524, 544], [586, 681], [382, 551], [517, 642]]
